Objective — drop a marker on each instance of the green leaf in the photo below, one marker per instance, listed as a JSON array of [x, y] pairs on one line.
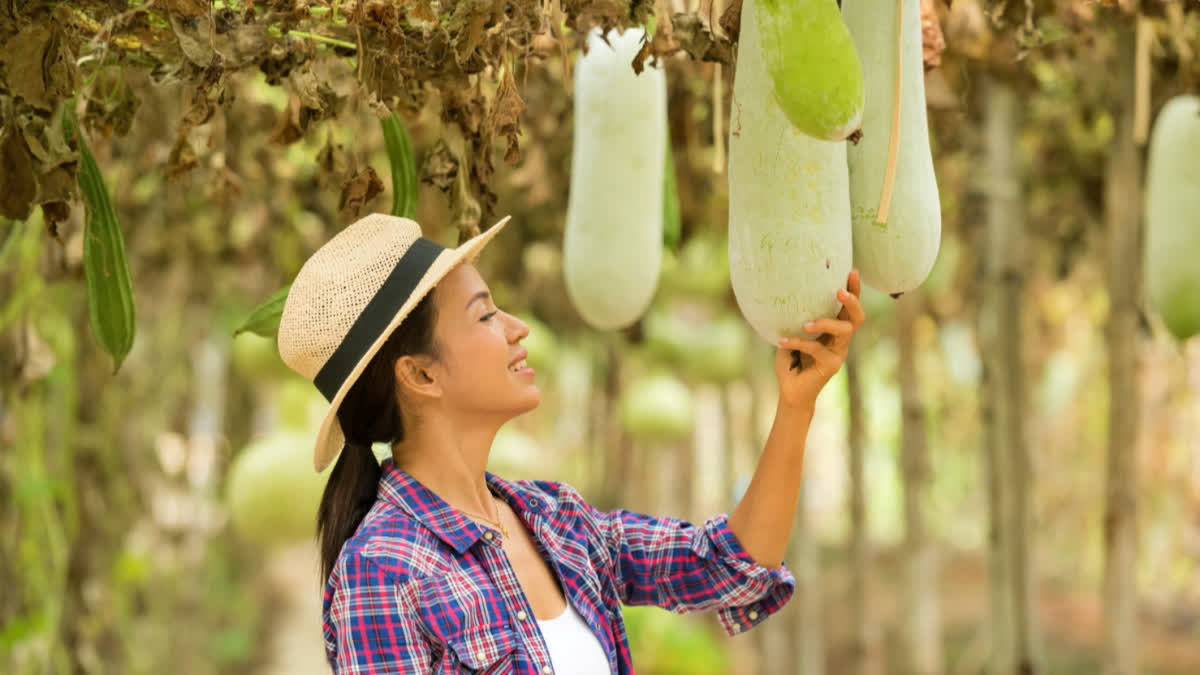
[[105, 268], [264, 319], [672, 220], [404, 170]]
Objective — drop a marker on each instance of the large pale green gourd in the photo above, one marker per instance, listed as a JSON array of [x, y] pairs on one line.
[[895, 256], [813, 65], [613, 243], [789, 206], [273, 493], [1173, 216]]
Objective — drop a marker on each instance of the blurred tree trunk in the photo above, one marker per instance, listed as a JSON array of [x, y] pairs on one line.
[[921, 624], [864, 646], [1122, 208], [794, 645], [1006, 451]]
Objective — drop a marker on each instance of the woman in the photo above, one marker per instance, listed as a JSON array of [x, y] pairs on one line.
[[433, 565]]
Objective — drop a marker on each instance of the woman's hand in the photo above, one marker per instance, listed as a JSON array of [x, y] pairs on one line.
[[803, 366]]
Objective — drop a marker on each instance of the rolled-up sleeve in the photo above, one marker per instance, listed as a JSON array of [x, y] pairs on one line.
[[683, 567], [368, 629]]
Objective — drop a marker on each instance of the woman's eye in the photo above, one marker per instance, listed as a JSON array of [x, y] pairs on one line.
[[489, 315]]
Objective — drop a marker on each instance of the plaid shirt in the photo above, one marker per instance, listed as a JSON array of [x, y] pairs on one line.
[[420, 588]]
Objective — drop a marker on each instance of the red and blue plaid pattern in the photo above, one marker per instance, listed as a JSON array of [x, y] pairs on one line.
[[421, 588]]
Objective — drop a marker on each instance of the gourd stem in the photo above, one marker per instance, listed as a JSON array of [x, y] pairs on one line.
[[1141, 90], [889, 176]]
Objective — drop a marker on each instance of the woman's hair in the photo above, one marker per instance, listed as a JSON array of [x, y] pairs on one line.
[[369, 414]]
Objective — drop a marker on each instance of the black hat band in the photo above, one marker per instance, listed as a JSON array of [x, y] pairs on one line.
[[375, 317]]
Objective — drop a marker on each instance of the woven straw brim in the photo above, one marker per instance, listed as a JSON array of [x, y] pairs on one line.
[[330, 438]]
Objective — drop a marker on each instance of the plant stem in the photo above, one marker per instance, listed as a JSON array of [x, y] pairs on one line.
[[321, 38]]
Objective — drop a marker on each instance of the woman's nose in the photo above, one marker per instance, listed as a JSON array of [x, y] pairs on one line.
[[518, 329]]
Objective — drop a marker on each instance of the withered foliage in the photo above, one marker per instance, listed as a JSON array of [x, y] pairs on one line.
[[463, 57]]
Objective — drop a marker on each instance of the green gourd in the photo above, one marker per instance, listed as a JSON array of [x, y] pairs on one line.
[[1173, 216], [613, 244], [789, 206], [273, 493], [814, 68], [657, 408], [895, 253]]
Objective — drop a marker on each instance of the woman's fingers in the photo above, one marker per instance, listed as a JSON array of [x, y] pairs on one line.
[[835, 327], [827, 360], [852, 309]]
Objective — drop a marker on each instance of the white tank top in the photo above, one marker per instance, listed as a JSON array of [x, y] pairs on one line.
[[574, 649]]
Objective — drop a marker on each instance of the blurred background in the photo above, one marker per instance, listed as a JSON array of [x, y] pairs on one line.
[[979, 492]]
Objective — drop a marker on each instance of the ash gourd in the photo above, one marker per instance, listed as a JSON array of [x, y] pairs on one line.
[[1173, 216], [814, 68], [612, 248], [789, 205], [894, 253]]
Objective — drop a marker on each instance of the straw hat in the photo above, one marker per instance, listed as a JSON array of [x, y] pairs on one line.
[[348, 298]]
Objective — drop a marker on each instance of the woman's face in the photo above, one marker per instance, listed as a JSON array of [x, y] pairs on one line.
[[481, 363]]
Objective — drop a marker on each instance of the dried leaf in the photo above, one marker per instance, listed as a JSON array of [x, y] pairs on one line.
[[182, 158], [317, 98], [38, 67], [933, 43], [56, 187], [731, 20], [18, 175], [505, 118], [421, 14], [185, 8], [695, 37], [195, 35], [467, 23], [440, 166], [331, 162], [357, 192], [288, 129]]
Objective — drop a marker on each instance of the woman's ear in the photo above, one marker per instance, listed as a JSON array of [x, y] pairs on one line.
[[415, 377]]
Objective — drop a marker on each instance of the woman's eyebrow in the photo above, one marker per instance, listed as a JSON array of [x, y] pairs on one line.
[[481, 295]]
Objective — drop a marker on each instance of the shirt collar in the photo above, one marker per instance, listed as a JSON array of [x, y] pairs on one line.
[[458, 531]]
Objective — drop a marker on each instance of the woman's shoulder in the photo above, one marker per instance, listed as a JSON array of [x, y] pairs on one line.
[[390, 541]]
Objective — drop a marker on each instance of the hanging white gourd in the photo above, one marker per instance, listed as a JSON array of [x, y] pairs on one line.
[[789, 205], [1173, 216], [893, 190], [612, 248]]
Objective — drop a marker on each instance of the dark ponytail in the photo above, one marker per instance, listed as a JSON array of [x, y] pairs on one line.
[[369, 414]]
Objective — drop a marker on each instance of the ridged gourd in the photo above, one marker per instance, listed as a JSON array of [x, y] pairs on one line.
[[612, 249], [895, 256], [813, 65], [1173, 216], [789, 206]]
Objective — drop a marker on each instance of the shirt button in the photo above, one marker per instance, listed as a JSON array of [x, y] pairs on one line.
[[547, 670], [752, 615], [487, 535], [521, 615]]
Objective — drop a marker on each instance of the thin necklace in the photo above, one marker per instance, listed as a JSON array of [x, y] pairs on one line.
[[496, 522]]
